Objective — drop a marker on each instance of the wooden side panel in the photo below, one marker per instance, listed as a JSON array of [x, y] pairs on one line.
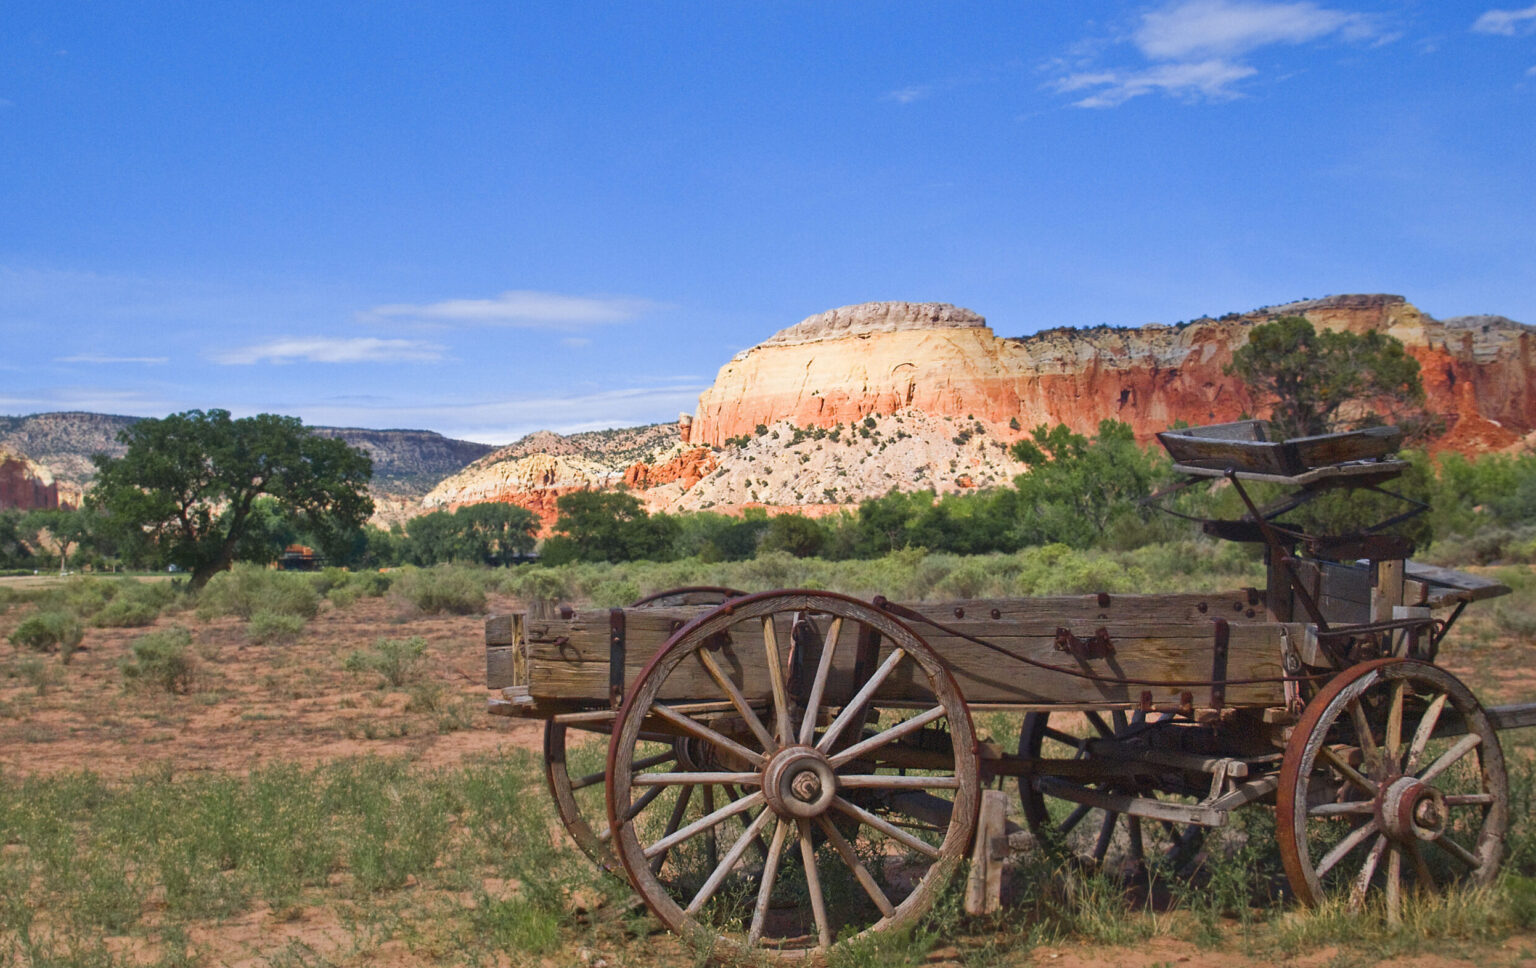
[[505, 663], [568, 659]]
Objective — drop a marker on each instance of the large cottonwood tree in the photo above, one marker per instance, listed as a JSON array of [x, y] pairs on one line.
[[186, 490]]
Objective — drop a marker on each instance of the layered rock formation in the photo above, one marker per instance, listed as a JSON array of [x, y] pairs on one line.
[[858, 400], [880, 358], [27, 485]]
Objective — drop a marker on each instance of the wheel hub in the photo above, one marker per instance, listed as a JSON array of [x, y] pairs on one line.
[[1409, 809], [799, 783]]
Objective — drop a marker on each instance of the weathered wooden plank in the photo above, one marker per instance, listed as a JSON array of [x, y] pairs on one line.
[[569, 660], [1240, 605], [1367, 443], [503, 628], [1473, 587]]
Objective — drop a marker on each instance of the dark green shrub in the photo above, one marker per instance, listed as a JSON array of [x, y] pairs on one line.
[[274, 628], [162, 660], [49, 632], [248, 589], [395, 660], [126, 613], [443, 588]]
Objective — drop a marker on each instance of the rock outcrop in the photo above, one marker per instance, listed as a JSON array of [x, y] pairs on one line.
[[27, 485], [882, 358]]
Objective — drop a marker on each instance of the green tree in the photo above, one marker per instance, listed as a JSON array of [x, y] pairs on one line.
[[494, 533], [1317, 383], [187, 487], [801, 536], [61, 531], [1076, 486], [16, 539], [610, 526]]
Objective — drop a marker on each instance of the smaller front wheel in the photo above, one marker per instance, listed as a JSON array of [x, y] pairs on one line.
[[1393, 779]]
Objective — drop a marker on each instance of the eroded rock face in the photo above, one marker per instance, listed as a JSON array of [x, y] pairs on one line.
[[27, 485], [880, 358]]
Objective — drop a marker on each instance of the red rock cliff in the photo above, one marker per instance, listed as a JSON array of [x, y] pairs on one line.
[[26, 485], [842, 365]]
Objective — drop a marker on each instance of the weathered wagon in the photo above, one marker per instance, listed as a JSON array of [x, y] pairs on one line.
[[788, 769]]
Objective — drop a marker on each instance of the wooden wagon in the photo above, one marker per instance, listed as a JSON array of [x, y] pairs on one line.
[[788, 769]]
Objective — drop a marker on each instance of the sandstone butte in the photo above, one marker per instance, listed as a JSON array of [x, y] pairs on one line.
[[28, 485], [880, 359], [842, 365]]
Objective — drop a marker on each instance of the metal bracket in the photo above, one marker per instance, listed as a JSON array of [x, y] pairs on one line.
[[1219, 651], [615, 657], [1098, 647]]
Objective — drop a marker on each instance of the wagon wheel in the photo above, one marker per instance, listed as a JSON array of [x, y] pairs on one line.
[[580, 800], [1106, 837], [798, 831], [1392, 778]]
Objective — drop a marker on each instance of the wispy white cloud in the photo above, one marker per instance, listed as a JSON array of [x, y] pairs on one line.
[[137, 403], [907, 95], [1193, 49], [518, 307], [575, 342], [1196, 29], [321, 349], [95, 358], [1211, 80], [1506, 23]]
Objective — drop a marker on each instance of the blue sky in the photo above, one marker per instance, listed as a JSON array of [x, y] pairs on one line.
[[489, 218]]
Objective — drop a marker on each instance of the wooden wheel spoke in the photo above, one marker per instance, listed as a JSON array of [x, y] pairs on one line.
[[1350, 841], [1395, 887], [1066, 739], [1421, 872], [819, 686], [1447, 759], [1073, 819], [813, 884], [1394, 736], [888, 736], [748, 714], [765, 888], [891, 781], [860, 872], [1362, 884], [1338, 809], [690, 779], [1468, 799], [1426, 729], [718, 875], [782, 730], [1363, 732], [706, 822], [1099, 724], [855, 707], [1106, 834], [1345, 770], [643, 801], [703, 732], [885, 827], [1445, 843], [679, 810], [1133, 832]]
